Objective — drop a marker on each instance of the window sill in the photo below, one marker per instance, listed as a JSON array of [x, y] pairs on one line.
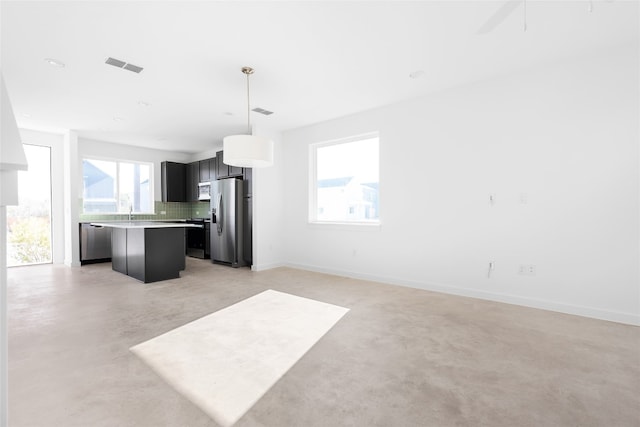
[[116, 213]]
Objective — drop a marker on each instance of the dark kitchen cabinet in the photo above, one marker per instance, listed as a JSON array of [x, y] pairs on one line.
[[221, 168], [248, 178], [247, 230], [148, 254], [213, 169], [207, 170], [234, 170], [224, 170], [193, 179], [207, 239], [173, 176], [119, 250]]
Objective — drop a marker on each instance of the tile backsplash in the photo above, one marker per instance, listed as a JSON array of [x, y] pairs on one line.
[[170, 210], [200, 210]]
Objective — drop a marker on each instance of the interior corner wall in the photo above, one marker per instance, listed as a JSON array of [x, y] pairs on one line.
[[268, 208], [556, 146]]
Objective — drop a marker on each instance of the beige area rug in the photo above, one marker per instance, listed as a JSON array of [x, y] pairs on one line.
[[226, 361]]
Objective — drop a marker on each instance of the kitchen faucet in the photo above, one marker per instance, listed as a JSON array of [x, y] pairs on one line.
[[130, 211]]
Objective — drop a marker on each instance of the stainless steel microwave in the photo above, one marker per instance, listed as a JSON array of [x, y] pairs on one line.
[[204, 191]]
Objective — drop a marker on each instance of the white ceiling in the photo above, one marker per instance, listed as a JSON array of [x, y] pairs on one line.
[[314, 61]]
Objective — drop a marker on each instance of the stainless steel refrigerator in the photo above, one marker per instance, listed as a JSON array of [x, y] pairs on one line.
[[228, 221]]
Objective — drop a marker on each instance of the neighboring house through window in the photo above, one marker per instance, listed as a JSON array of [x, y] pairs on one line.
[[111, 186], [345, 181]]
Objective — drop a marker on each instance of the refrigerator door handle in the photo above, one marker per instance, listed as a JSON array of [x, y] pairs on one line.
[[220, 214]]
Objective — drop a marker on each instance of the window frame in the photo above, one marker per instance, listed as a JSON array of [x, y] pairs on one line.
[[312, 213], [118, 161]]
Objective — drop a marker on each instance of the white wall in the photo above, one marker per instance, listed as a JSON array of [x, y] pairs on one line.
[[106, 150], [205, 154], [72, 177], [12, 159], [269, 207], [55, 143], [564, 135]]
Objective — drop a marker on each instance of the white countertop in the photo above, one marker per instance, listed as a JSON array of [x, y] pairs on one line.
[[145, 224]]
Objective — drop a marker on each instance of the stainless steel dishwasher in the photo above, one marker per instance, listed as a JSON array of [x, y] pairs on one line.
[[95, 243]]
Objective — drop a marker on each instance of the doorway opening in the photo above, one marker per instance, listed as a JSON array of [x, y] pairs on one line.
[[29, 223]]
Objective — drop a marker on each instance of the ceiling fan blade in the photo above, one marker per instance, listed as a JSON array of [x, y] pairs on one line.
[[501, 14]]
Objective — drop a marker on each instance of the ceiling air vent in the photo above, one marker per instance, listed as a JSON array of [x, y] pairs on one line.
[[133, 68], [262, 111], [122, 64], [115, 62]]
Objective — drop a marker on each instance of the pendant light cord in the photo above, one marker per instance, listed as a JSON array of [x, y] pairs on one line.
[[247, 71], [248, 108]]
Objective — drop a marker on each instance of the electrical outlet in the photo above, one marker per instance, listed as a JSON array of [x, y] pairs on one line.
[[163, 212], [527, 270]]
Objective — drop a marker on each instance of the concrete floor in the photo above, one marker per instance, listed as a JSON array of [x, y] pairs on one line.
[[400, 357]]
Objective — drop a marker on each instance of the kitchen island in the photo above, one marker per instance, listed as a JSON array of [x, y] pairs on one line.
[[146, 250]]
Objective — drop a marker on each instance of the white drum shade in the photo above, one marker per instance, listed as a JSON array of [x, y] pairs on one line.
[[248, 151]]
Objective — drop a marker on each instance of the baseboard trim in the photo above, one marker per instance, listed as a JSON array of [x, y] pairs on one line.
[[595, 313], [266, 266]]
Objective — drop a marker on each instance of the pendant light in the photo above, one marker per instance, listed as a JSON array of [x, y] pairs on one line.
[[248, 151]]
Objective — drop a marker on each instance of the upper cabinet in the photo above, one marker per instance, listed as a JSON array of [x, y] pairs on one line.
[[248, 178], [180, 182], [193, 179], [173, 177], [207, 170], [197, 172], [224, 170]]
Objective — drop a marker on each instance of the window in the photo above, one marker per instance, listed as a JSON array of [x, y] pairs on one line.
[[29, 223], [344, 181], [111, 186]]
